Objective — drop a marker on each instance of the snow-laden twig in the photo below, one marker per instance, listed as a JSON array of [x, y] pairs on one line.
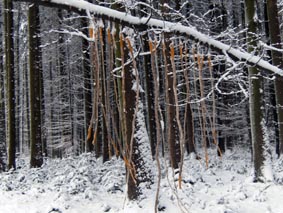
[[268, 47], [77, 33]]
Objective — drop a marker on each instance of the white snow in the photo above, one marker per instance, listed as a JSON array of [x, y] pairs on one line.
[[84, 184], [173, 27]]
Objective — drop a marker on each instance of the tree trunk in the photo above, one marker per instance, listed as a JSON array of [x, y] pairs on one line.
[[149, 88], [137, 172], [256, 97], [35, 75], [129, 111], [87, 89], [188, 114], [10, 83], [104, 98], [2, 104], [149, 97], [275, 39], [171, 123]]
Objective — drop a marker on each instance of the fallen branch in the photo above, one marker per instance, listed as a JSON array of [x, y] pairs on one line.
[[144, 23]]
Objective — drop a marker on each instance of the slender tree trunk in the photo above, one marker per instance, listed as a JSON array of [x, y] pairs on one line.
[[2, 103], [188, 116], [272, 120], [149, 85], [17, 23], [104, 98], [149, 97], [35, 76], [87, 89], [42, 99], [171, 123], [277, 60], [10, 83]]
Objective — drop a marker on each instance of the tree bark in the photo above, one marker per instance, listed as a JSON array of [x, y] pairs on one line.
[[171, 123], [87, 89], [35, 75], [277, 60], [2, 103], [10, 83], [188, 115], [149, 97], [256, 96], [149, 85]]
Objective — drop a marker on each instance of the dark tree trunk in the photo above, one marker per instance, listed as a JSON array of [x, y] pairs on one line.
[[87, 88], [256, 97], [149, 88], [3, 154], [130, 103], [275, 39], [136, 168], [41, 86], [104, 98], [273, 121], [149, 97], [35, 86], [188, 115], [171, 123], [10, 83]]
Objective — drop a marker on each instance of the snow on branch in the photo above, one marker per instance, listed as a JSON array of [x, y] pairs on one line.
[[145, 22]]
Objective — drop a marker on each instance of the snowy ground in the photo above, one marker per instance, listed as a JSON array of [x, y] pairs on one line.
[[83, 184]]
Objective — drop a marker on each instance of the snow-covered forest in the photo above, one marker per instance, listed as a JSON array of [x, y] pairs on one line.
[[141, 106]]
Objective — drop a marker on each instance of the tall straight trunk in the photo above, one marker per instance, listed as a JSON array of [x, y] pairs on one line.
[[35, 75], [171, 123], [104, 98], [87, 88], [2, 103], [17, 23], [273, 121], [118, 82], [137, 172], [277, 60], [149, 97], [42, 99], [10, 83], [188, 116], [149, 83], [129, 111], [256, 97]]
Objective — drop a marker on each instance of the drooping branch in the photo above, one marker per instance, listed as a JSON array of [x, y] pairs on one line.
[[126, 19]]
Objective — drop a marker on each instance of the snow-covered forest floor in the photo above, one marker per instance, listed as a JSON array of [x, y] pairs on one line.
[[84, 184]]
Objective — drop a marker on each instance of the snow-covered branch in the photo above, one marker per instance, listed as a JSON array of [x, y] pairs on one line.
[[125, 18]]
